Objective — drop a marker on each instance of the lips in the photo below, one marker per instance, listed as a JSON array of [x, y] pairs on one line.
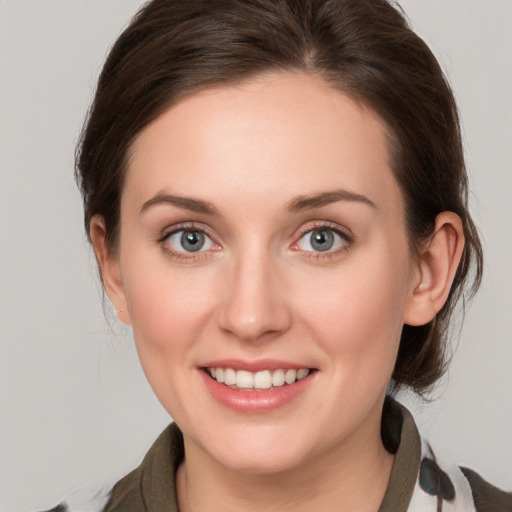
[[258, 386]]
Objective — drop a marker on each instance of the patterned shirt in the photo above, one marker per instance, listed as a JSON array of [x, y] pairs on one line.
[[420, 481]]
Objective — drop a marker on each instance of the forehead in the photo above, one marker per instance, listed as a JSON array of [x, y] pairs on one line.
[[288, 133]]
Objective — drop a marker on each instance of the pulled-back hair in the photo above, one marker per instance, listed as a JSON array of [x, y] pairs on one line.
[[364, 48]]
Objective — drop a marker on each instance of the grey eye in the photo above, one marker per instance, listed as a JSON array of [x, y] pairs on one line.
[[186, 240], [321, 240], [192, 241]]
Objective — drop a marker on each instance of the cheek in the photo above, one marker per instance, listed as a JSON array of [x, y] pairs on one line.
[[356, 313], [169, 308], [169, 312]]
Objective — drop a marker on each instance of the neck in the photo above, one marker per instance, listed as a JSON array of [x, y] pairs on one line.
[[353, 475]]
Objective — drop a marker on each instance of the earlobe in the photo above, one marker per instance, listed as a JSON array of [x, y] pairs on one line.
[[437, 265], [109, 267]]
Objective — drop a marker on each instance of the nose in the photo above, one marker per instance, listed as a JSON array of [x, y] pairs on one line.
[[254, 305]]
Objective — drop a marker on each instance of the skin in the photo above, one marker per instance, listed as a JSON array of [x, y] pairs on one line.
[[259, 290]]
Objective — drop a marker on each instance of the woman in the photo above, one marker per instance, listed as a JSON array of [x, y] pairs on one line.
[[276, 196]]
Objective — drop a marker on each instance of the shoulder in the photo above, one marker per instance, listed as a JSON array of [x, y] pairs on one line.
[[148, 487], [486, 496], [455, 488], [434, 483], [122, 496], [460, 488], [87, 499]]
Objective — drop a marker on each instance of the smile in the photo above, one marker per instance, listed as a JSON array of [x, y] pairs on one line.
[[256, 386], [258, 381]]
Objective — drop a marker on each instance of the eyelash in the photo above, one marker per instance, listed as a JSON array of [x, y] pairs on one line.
[[184, 255], [348, 241]]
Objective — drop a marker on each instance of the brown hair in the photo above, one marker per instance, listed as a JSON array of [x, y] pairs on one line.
[[365, 48]]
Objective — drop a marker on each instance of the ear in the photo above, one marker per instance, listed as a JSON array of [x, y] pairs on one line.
[[109, 268], [436, 268]]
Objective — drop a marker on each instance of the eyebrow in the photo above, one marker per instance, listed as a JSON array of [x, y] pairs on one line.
[[299, 203], [311, 201], [186, 203]]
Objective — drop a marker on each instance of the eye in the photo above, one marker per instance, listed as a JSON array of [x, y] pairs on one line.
[[321, 240], [189, 240]]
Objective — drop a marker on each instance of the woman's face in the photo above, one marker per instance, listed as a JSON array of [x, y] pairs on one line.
[[263, 237]]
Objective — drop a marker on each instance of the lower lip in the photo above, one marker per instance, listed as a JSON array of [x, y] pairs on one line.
[[255, 401]]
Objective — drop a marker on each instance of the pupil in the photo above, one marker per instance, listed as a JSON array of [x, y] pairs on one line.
[[192, 241], [322, 240]]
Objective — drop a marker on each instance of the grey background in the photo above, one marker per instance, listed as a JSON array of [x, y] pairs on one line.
[[75, 407]]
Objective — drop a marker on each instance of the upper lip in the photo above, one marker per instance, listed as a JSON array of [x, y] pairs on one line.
[[254, 366]]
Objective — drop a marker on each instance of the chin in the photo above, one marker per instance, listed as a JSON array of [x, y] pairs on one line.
[[267, 462], [263, 450]]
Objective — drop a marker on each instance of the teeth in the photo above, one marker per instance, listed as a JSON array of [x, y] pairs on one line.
[[244, 379], [302, 373], [278, 378], [265, 379], [229, 377], [290, 376]]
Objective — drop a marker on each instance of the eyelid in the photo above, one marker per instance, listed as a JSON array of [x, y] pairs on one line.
[[186, 226], [327, 225], [343, 232]]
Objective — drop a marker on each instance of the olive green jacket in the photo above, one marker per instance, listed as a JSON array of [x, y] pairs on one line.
[[419, 481]]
